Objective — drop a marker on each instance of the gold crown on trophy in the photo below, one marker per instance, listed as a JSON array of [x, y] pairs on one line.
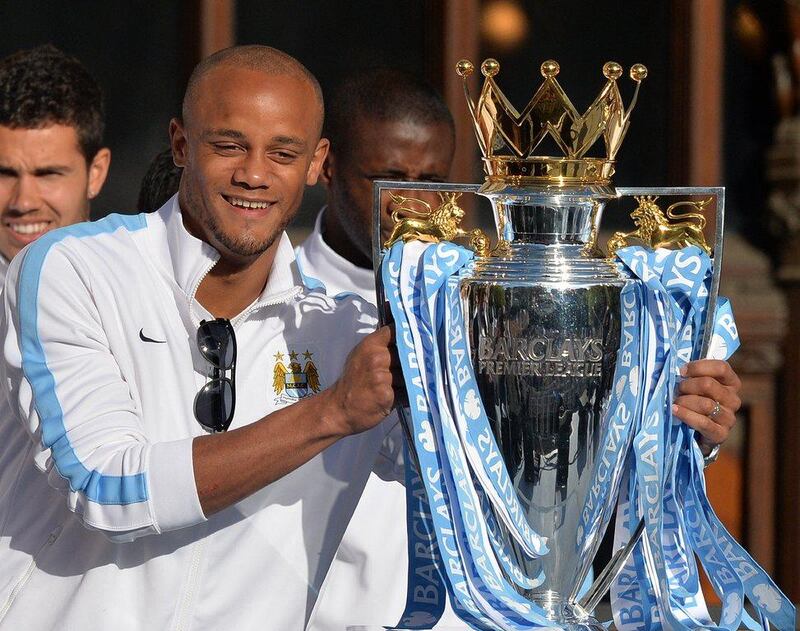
[[509, 139]]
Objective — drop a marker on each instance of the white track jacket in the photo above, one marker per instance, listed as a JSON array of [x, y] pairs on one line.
[[367, 580], [101, 368], [366, 584]]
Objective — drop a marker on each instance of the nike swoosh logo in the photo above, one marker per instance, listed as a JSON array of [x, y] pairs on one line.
[[144, 338]]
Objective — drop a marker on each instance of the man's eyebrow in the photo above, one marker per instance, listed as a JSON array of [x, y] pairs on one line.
[[290, 140], [44, 169], [226, 133], [51, 168]]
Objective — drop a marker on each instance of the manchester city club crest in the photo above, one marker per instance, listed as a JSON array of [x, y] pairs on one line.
[[297, 379]]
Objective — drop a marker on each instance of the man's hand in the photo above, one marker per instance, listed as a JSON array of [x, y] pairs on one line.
[[365, 393], [259, 453], [706, 383]]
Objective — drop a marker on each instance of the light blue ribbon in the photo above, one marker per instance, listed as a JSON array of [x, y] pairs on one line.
[[430, 472], [456, 538], [624, 406], [665, 481], [501, 601], [479, 592], [427, 593]]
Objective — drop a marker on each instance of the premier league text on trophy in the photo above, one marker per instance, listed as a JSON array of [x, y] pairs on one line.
[[540, 357]]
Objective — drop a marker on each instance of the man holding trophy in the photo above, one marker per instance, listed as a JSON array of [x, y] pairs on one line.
[[187, 431], [186, 426]]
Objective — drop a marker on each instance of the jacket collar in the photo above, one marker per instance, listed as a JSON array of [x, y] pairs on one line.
[[190, 259], [337, 273]]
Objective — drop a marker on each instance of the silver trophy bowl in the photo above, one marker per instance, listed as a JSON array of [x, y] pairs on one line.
[[543, 325], [543, 322]]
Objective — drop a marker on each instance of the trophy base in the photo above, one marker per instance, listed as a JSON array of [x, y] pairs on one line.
[[568, 615], [569, 622]]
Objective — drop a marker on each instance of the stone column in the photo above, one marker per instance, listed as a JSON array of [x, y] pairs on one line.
[[784, 202]]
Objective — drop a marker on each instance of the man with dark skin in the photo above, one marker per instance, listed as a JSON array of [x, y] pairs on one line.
[[242, 524], [410, 140], [384, 124]]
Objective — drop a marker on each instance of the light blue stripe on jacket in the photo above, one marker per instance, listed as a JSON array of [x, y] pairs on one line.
[[103, 489]]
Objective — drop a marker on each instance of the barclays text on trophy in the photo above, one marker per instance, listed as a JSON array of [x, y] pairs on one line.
[[540, 374]]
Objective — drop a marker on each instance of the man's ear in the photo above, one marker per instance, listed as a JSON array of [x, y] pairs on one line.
[[317, 161], [177, 140], [98, 171], [328, 167]]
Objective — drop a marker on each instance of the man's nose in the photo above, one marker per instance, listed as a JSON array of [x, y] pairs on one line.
[[253, 172], [25, 197]]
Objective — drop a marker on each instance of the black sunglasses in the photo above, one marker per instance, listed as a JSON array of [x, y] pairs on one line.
[[214, 404]]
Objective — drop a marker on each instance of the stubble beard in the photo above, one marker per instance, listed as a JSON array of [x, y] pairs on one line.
[[244, 245]]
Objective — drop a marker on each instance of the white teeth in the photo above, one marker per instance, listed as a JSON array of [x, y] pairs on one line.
[[243, 203], [28, 228]]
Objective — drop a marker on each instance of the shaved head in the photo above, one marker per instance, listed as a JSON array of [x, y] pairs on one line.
[[265, 59], [248, 142]]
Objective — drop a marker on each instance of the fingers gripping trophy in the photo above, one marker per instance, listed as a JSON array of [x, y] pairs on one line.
[[540, 373]]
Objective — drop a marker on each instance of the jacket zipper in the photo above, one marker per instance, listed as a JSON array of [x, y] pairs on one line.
[[23, 580], [193, 293], [184, 614], [283, 297]]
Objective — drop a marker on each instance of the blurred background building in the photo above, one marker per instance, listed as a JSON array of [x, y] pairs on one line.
[[719, 107]]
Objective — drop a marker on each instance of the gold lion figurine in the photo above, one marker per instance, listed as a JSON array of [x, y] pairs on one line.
[[433, 225], [664, 230]]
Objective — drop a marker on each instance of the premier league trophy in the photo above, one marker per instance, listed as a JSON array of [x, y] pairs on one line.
[[543, 317], [532, 339]]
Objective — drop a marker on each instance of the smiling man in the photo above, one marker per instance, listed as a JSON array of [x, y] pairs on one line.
[[188, 430], [52, 159]]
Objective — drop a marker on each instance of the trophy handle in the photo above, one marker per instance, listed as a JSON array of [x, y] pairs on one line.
[[671, 229], [378, 187], [603, 582], [433, 225], [713, 192]]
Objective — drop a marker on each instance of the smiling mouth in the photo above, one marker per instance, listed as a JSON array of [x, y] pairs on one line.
[[27, 229], [245, 203]]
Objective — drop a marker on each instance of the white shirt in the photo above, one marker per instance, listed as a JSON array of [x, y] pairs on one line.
[[366, 584], [317, 260], [101, 368], [3, 269]]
